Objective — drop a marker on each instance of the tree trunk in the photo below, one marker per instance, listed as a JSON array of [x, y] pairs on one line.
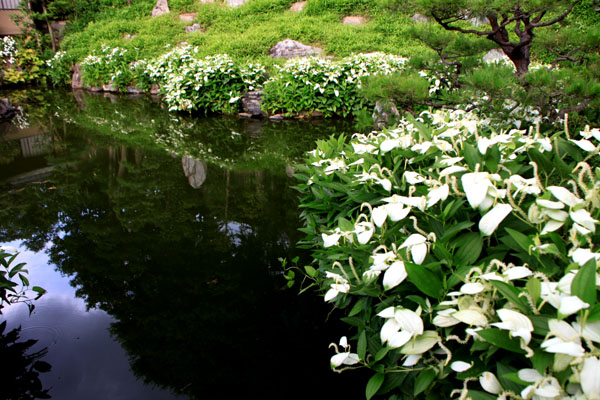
[[520, 57]]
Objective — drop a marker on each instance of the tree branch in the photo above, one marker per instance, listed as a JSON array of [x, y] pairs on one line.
[[555, 20]]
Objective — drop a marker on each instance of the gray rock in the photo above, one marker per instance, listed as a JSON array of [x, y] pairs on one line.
[[193, 28], [133, 90], [154, 89], [276, 117], [244, 115], [251, 104], [76, 82], [298, 6], [194, 170], [235, 3], [188, 17], [383, 113], [289, 48], [161, 8], [109, 88], [420, 18], [495, 56], [479, 21], [354, 20]]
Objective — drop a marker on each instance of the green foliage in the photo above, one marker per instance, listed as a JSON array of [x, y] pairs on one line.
[[59, 68], [14, 285], [458, 249]]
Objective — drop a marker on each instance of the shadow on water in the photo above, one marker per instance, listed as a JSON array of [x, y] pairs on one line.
[[174, 225]]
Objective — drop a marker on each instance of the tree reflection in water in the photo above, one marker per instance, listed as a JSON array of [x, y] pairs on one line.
[[185, 259]]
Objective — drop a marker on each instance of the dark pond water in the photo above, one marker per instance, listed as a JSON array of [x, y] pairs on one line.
[[157, 237]]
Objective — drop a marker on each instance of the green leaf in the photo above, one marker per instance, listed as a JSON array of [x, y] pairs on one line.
[[425, 280], [361, 347], [594, 313], [584, 283], [511, 293], [501, 339], [345, 225], [541, 160], [477, 395], [521, 239], [310, 271], [382, 353], [470, 249], [423, 380], [392, 381], [471, 155], [358, 307], [541, 360], [504, 372], [374, 384], [534, 288], [454, 229]]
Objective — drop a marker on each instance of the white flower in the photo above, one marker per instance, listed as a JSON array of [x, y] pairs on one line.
[[363, 230], [339, 285], [570, 305], [517, 324], [343, 358], [460, 366], [565, 195], [472, 288], [583, 217], [490, 383], [444, 318], [566, 340], [379, 215], [417, 245], [476, 186], [490, 221], [543, 387], [394, 275], [9, 249], [471, 317], [401, 325], [413, 178], [330, 240], [590, 377], [437, 194], [584, 144]]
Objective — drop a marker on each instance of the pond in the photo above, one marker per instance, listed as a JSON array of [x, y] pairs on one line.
[[158, 237]]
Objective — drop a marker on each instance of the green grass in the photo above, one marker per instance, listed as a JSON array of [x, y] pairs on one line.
[[249, 31]]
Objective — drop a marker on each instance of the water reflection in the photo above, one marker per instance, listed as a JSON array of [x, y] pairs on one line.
[[21, 366], [183, 260]]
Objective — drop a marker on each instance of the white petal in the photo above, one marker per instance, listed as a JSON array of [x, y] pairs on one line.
[[421, 343], [414, 239], [338, 359], [570, 305], [491, 220], [418, 253], [330, 240], [388, 329], [394, 275], [399, 339], [547, 391], [387, 313], [379, 215], [564, 195], [472, 288], [413, 178], [591, 330], [9, 249], [563, 330], [582, 256], [584, 218], [569, 348], [344, 341], [460, 366], [331, 294], [475, 185], [471, 317], [437, 194], [397, 212], [452, 170], [555, 205], [411, 360], [590, 377], [517, 273], [585, 145], [529, 375], [490, 383], [409, 320], [551, 226]]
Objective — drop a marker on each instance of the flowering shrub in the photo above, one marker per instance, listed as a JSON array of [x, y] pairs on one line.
[[215, 83], [111, 66], [9, 50], [59, 68], [464, 257], [20, 63], [316, 84]]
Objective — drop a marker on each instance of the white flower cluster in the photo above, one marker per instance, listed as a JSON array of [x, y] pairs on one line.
[[8, 51], [57, 59], [453, 161]]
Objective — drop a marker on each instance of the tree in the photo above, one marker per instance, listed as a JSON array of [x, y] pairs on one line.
[[502, 16]]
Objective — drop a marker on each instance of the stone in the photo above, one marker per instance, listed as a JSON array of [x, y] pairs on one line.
[[154, 89], [290, 171], [58, 28], [188, 17], [244, 115], [383, 113], [109, 88], [76, 82], [194, 170], [289, 48], [298, 6], [276, 117], [161, 8], [7, 110], [133, 90], [193, 28], [128, 36], [354, 20], [495, 56], [251, 104], [420, 18], [479, 21], [235, 3]]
